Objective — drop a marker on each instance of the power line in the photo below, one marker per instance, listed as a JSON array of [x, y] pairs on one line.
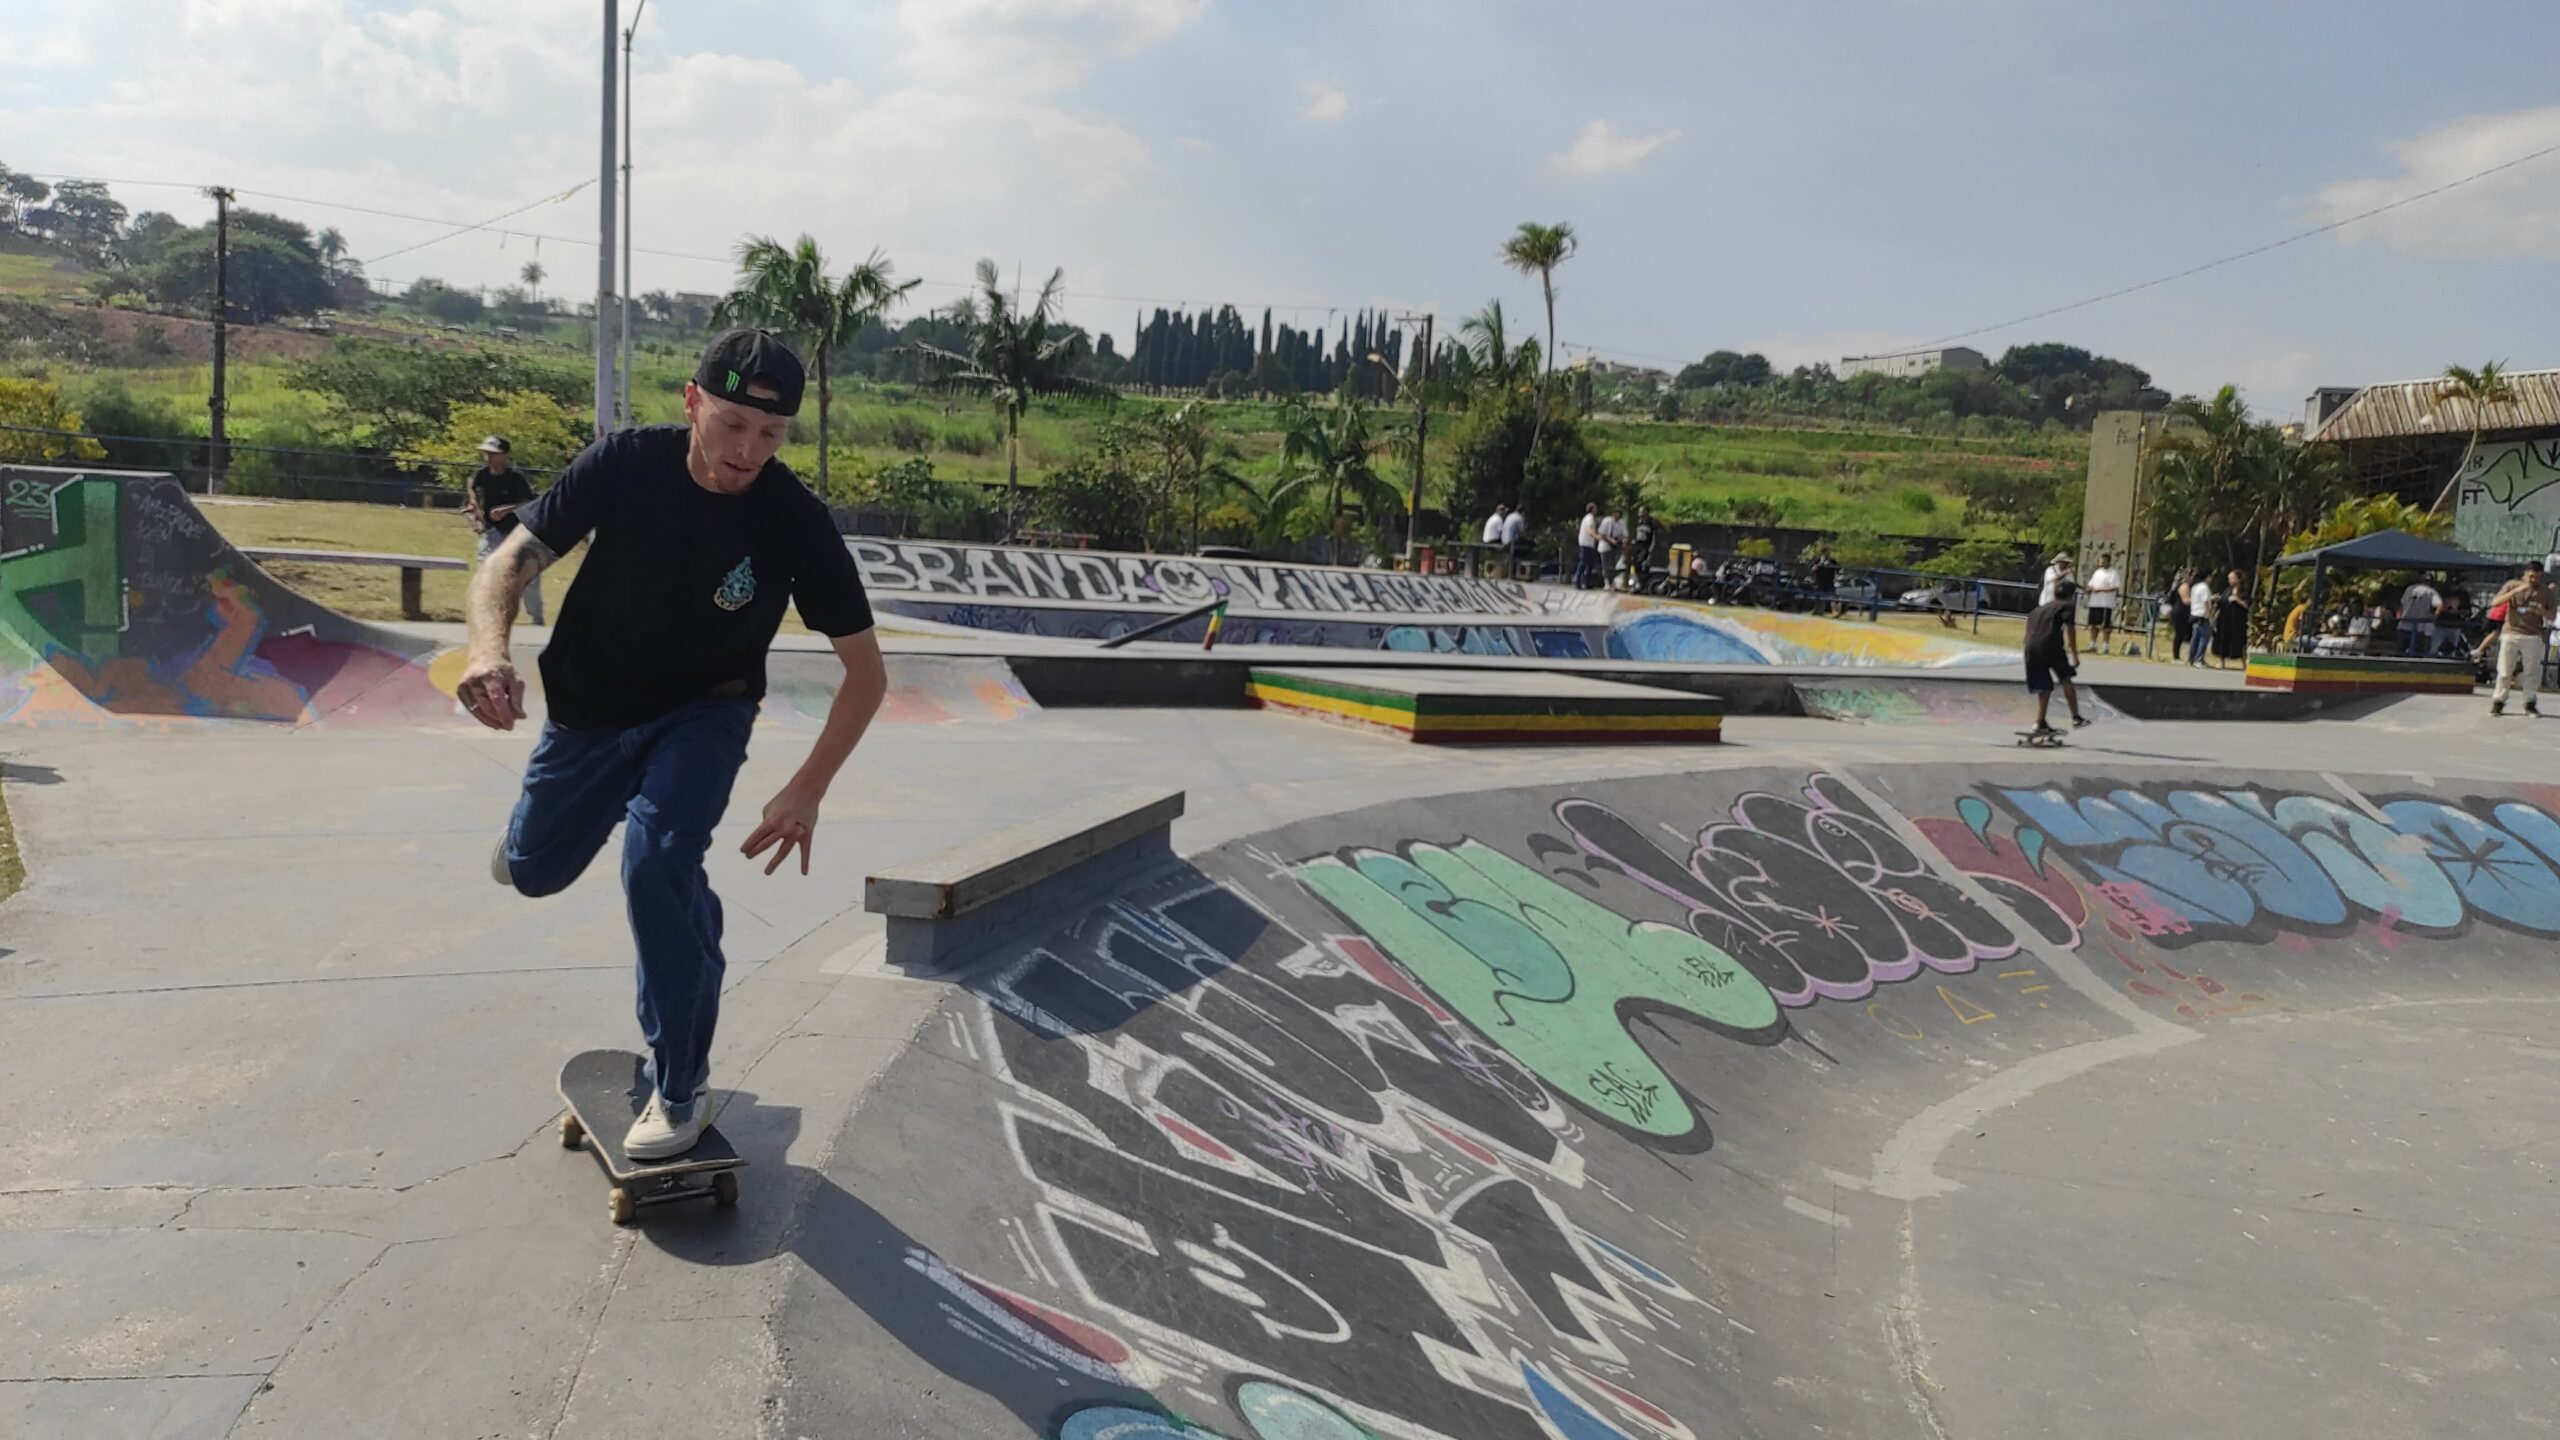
[[2315, 230], [483, 225], [489, 226]]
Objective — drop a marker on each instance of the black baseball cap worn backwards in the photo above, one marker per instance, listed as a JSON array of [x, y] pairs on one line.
[[738, 358]]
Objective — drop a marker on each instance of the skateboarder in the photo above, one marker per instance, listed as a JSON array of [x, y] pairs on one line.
[[700, 538], [2053, 655]]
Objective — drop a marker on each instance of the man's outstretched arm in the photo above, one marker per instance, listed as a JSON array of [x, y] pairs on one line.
[[791, 816], [490, 688]]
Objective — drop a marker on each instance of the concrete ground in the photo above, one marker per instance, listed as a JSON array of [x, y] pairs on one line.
[[286, 1164]]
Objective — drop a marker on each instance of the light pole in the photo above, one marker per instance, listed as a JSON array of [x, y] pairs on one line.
[[604, 247], [622, 312]]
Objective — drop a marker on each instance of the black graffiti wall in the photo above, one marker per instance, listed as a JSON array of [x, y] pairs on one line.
[[1529, 1113], [1014, 575]]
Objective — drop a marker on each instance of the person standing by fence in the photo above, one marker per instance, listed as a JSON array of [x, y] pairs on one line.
[[490, 499], [2199, 619], [1586, 540]]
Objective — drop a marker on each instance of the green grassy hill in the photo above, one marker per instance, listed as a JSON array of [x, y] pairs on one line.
[[1818, 477]]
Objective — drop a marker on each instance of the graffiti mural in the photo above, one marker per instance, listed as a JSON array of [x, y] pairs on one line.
[[2184, 864], [1283, 1167], [1395, 1124], [1011, 574], [2507, 499], [118, 600], [1811, 892], [1069, 623], [1551, 977]]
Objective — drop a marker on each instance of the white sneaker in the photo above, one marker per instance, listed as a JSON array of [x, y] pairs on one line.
[[665, 1131], [498, 865]]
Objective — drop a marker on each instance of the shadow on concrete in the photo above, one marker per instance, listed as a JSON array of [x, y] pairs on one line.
[[965, 1333], [15, 773], [702, 1233]]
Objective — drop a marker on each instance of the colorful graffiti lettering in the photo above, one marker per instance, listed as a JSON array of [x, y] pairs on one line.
[[2184, 864], [1815, 896], [1550, 976], [118, 600], [2057, 906], [1013, 574], [1282, 1163], [2507, 499], [1271, 1412]]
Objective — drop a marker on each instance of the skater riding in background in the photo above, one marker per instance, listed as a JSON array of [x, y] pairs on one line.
[[2053, 656]]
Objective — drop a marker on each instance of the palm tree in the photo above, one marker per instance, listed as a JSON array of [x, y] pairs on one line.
[[2476, 391], [332, 247], [532, 275], [1188, 460], [1495, 363], [787, 289], [1014, 354], [1536, 249], [2207, 470], [1331, 448]]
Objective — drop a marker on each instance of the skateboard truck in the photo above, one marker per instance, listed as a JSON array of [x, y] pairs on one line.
[[605, 1091]]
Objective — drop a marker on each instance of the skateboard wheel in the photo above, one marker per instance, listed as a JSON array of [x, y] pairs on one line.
[[724, 1189], [618, 1205], [571, 1132]]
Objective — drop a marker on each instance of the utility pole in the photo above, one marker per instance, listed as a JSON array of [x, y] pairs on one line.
[[1421, 435], [218, 456], [606, 309], [622, 314]]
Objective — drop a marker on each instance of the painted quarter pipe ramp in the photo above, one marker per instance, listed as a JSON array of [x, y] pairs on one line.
[[120, 603], [1931, 1102]]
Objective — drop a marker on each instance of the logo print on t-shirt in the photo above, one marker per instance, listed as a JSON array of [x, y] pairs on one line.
[[737, 587]]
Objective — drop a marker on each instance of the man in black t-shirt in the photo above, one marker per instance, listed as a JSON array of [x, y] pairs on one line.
[[2053, 655], [698, 538], [490, 499]]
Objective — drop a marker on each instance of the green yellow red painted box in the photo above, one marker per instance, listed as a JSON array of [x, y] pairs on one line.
[[2358, 675], [1486, 708]]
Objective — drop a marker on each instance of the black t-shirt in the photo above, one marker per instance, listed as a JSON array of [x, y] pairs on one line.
[[493, 490], [1825, 574], [2044, 631], [683, 588]]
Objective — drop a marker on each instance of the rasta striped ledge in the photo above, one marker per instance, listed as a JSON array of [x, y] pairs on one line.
[[2358, 675], [1479, 708]]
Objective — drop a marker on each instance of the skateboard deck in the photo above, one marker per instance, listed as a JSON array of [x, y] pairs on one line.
[[605, 1091], [2040, 740]]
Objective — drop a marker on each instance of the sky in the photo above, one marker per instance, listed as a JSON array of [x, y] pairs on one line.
[[1809, 180]]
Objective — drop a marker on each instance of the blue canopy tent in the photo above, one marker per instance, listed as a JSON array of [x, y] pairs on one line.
[[2386, 550]]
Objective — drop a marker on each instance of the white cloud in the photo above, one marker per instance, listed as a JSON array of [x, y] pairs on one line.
[[1599, 149], [1325, 104], [458, 108], [1194, 144], [1044, 46], [2509, 215]]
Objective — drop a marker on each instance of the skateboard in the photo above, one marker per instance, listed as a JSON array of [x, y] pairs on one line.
[[605, 1091], [2040, 740]]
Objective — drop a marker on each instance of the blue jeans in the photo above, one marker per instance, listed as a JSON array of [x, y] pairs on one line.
[[1587, 567], [2199, 641], [667, 781]]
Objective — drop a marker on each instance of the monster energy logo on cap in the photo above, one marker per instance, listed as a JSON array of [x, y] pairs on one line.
[[740, 361]]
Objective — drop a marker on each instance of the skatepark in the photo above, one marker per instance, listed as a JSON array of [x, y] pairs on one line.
[[1852, 1072]]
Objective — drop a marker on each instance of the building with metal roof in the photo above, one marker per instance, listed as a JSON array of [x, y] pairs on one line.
[[2408, 409], [2398, 438]]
